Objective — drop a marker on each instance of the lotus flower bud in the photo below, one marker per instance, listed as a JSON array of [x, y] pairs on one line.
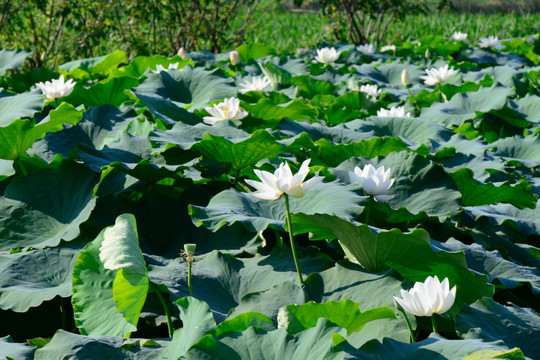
[[428, 54], [182, 53], [405, 78], [234, 57]]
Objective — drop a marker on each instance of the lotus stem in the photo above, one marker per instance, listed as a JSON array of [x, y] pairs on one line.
[[23, 169], [293, 246], [433, 324], [443, 96], [368, 210], [165, 308], [63, 312], [413, 337], [416, 107], [189, 278], [189, 251]]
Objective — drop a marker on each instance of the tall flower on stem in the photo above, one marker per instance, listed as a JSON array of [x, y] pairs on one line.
[[327, 55], [406, 81], [229, 109], [438, 76], [427, 298], [283, 183], [57, 88]]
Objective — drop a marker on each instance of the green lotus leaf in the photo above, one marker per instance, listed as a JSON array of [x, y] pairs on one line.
[[167, 111], [335, 154], [468, 106], [254, 51], [127, 151], [12, 59], [46, 206], [98, 127], [488, 320], [14, 350], [197, 321], [346, 314], [492, 58], [6, 169], [343, 133], [141, 64], [22, 81], [420, 185], [413, 131], [526, 149], [433, 348], [20, 135], [347, 280], [390, 73], [107, 302], [195, 88], [492, 264], [109, 91], [310, 87], [65, 344], [315, 343], [474, 193], [260, 145], [502, 74], [241, 322], [411, 254], [528, 107], [29, 278], [16, 106], [256, 215], [222, 281], [526, 220], [296, 110], [185, 136], [102, 66]]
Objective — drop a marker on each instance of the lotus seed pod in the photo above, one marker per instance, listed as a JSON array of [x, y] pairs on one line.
[[190, 249]]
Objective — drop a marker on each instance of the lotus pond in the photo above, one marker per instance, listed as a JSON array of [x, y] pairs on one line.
[[147, 205]]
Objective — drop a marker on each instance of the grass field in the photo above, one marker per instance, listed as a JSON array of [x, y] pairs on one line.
[[287, 31]]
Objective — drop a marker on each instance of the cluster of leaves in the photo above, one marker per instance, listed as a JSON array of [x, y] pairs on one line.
[[56, 31], [129, 141]]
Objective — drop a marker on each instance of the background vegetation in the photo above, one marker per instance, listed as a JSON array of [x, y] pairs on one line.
[[57, 31]]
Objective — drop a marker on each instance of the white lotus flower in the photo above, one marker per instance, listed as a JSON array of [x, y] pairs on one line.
[[234, 57], [371, 90], [459, 36], [282, 181], [367, 49], [56, 89], [490, 41], [389, 48], [258, 83], [327, 55], [393, 112], [428, 297], [229, 109], [374, 182], [436, 76], [160, 68], [405, 78], [120, 247]]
